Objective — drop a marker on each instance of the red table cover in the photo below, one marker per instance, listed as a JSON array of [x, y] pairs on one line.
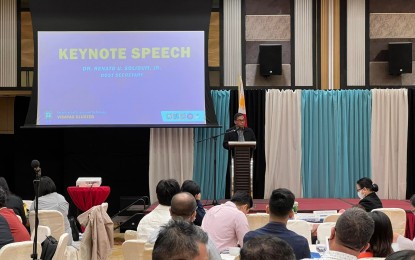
[[87, 197], [410, 225]]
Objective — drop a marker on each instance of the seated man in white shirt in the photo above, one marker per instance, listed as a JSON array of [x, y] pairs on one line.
[[351, 235], [165, 191], [183, 207]]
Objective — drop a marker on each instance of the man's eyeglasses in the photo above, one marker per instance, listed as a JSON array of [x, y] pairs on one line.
[[240, 120]]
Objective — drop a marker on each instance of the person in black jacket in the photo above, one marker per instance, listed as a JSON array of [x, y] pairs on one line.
[[366, 190], [13, 202], [238, 132], [193, 188]]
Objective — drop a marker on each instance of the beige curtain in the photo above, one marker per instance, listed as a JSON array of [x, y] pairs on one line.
[[389, 141], [8, 43], [283, 141], [171, 156]]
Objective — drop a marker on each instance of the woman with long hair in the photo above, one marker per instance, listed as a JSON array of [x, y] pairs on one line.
[[382, 238]]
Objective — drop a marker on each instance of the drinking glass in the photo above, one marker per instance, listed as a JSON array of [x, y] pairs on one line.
[[320, 247]]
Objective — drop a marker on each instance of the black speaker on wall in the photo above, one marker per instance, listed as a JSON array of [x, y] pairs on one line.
[[400, 58], [270, 61]]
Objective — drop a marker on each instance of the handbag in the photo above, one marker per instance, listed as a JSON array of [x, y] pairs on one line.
[[74, 228], [49, 246]]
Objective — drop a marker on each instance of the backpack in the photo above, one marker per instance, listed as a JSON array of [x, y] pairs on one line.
[[49, 246]]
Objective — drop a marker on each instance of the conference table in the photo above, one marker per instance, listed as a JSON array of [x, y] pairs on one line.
[[85, 198]]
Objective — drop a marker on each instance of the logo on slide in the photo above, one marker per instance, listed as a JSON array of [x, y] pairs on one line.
[[183, 116], [48, 115]]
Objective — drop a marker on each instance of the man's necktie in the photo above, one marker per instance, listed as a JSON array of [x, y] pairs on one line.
[[241, 137]]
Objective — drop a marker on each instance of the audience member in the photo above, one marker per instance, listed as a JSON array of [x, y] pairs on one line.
[[183, 207], [180, 240], [405, 243], [402, 255], [165, 191], [227, 224], [280, 209], [366, 190], [267, 248], [6, 236], [381, 240], [13, 202], [49, 199], [350, 236], [354, 206], [18, 231], [194, 189]]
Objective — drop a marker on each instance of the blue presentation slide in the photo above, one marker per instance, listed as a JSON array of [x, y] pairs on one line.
[[121, 78]]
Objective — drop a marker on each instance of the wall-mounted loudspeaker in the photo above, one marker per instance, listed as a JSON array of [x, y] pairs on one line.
[[400, 58], [270, 59]]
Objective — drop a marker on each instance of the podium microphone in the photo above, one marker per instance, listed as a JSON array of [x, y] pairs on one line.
[[36, 167], [233, 130]]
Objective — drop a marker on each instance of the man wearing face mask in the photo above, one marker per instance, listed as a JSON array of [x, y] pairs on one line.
[[240, 132], [366, 190]]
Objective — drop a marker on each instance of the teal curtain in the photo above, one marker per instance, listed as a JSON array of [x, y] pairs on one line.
[[335, 142], [203, 172]]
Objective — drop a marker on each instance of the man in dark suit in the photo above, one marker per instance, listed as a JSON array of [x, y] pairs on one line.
[[238, 132]]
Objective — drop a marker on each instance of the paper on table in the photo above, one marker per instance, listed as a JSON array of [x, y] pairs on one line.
[[228, 257]]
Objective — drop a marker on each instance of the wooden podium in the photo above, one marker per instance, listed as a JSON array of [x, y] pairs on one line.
[[242, 166]]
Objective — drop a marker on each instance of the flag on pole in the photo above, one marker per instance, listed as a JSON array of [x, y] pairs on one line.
[[241, 95]]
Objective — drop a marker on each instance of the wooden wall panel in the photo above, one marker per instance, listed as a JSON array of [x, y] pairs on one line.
[[214, 40], [392, 6], [267, 7], [6, 115], [27, 47]]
